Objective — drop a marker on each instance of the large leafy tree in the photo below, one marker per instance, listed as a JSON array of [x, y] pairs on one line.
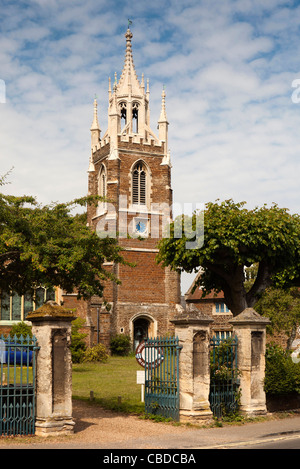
[[51, 246], [235, 238]]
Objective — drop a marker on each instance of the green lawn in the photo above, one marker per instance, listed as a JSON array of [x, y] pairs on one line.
[[108, 381]]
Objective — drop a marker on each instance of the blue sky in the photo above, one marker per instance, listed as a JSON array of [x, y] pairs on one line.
[[227, 66]]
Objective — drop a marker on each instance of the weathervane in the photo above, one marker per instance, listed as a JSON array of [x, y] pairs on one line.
[[129, 22]]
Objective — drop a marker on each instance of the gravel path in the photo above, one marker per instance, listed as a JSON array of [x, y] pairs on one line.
[[95, 425], [97, 428]]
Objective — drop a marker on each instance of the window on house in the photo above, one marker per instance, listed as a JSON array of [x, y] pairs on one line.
[[5, 307], [222, 334], [139, 184], [14, 307], [222, 308]]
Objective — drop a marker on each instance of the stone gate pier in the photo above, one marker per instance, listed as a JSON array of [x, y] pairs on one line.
[[250, 328], [192, 329], [51, 325]]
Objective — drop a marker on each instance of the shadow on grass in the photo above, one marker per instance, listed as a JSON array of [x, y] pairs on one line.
[[113, 404]]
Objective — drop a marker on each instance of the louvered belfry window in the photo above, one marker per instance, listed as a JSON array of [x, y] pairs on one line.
[[139, 185]]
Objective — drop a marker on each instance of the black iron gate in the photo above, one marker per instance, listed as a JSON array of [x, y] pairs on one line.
[[17, 385], [224, 376], [162, 376]]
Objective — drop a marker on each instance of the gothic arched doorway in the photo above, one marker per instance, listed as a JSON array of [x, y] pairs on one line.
[[140, 331]]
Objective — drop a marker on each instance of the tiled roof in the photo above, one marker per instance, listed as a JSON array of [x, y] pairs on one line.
[[198, 295]]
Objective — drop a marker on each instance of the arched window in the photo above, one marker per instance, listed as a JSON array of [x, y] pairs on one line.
[[139, 181], [123, 111], [102, 185], [135, 115], [126, 121], [102, 182]]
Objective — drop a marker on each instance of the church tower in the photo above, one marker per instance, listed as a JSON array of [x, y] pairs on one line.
[[130, 166]]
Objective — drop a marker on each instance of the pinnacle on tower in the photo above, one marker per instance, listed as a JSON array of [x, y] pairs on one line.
[[95, 128], [163, 127], [95, 123], [163, 115]]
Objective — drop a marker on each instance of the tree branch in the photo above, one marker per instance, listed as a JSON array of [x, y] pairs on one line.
[[9, 254], [219, 271], [262, 281]]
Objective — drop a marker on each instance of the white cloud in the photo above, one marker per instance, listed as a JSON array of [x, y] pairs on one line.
[[227, 66]]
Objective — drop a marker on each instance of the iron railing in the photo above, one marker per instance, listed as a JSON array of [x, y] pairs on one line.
[[224, 376], [17, 385], [162, 376]]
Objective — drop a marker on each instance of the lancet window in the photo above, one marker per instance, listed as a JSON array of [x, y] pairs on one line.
[[123, 110], [102, 186], [135, 116]]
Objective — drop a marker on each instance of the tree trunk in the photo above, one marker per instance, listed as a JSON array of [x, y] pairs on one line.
[[236, 301], [262, 281], [234, 291], [232, 280], [291, 337]]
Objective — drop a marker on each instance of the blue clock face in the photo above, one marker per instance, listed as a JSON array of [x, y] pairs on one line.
[[141, 227]]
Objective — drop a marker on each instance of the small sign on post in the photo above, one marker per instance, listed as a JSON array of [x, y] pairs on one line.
[[140, 375], [140, 379]]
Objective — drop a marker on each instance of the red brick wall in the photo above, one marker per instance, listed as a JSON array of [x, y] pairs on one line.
[[146, 288]]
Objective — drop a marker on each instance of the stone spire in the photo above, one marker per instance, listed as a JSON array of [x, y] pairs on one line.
[[128, 111], [95, 128], [163, 114], [114, 124], [129, 83], [163, 128]]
